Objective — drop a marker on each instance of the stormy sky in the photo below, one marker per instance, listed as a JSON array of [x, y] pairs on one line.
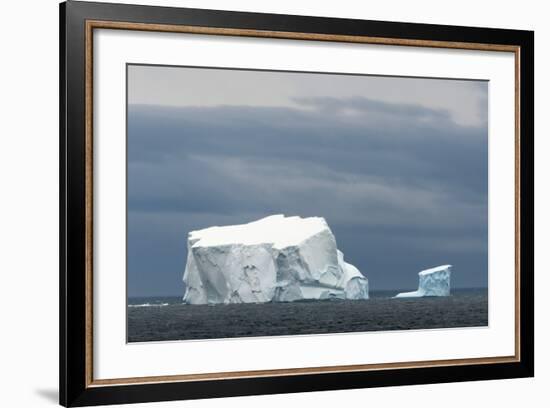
[[397, 167]]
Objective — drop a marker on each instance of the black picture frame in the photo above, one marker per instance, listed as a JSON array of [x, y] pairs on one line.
[[76, 389]]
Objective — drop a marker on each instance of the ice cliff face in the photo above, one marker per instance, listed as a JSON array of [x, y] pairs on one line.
[[432, 282], [276, 259]]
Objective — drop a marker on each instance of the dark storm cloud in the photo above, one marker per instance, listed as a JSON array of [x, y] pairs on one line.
[[403, 186]]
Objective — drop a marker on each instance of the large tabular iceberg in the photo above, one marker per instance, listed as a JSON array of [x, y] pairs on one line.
[[275, 259], [432, 282]]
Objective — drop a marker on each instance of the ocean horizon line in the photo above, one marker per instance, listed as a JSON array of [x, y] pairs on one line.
[[370, 291]]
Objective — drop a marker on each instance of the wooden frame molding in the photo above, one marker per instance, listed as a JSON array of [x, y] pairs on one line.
[[116, 25]]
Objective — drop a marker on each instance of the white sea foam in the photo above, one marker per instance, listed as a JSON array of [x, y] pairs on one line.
[[150, 305]]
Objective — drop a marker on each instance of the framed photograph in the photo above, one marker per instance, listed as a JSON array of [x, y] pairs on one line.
[[256, 203]]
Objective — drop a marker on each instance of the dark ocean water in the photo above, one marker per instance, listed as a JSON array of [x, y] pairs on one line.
[[166, 318]]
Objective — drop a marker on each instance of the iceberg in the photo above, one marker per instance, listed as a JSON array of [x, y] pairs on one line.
[[432, 282], [274, 259]]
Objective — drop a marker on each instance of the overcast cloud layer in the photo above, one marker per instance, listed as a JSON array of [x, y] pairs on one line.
[[402, 184]]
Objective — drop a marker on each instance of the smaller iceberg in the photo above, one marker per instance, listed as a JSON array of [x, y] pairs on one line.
[[432, 282]]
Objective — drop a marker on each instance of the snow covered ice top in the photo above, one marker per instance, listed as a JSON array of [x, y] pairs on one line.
[[278, 230], [432, 270]]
